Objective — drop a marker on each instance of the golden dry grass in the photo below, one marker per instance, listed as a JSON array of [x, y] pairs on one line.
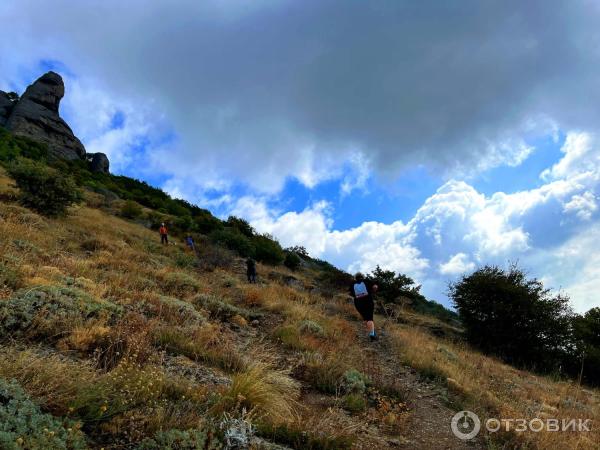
[[97, 361], [496, 390]]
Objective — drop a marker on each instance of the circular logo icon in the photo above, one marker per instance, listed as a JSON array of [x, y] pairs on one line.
[[465, 425]]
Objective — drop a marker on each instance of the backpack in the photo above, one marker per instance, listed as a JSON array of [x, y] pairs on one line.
[[360, 290]]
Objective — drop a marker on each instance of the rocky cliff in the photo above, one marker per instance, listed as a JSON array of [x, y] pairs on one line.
[[35, 115]]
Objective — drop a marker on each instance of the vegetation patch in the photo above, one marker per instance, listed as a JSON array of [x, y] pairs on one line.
[[220, 309], [179, 284], [50, 310], [24, 425], [182, 440]]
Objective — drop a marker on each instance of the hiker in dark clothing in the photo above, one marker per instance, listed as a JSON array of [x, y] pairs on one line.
[[251, 270], [164, 238], [362, 291]]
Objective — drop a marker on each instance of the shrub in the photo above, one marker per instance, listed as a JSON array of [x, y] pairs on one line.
[[43, 189], [12, 147], [182, 440], [205, 345], [233, 240], [222, 310], [23, 425], [355, 382], [587, 334], [267, 250], [508, 315], [213, 256], [300, 439], [131, 210], [354, 403], [263, 390], [325, 374], [186, 260], [311, 327], [240, 225], [49, 310], [10, 277], [292, 261], [289, 337], [178, 312], [180, 284]]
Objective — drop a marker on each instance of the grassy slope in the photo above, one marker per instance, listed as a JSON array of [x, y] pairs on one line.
[[173, 347]]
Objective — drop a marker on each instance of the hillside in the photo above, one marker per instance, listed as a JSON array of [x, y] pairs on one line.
[[115, 341]]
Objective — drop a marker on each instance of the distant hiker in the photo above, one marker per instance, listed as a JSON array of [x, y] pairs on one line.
[[251, 270], [362, 291], [164, 235], [189, 241]]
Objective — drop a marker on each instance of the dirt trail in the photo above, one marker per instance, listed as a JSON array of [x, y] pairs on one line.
[[428, 420]]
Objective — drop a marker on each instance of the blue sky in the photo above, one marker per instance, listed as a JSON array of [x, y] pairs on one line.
[[428, 138]]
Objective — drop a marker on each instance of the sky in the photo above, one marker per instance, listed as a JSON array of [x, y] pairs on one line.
[[428, 137]]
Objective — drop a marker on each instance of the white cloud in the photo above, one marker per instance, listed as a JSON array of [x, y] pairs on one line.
[[457, 264], [583, 206], [458, 227]]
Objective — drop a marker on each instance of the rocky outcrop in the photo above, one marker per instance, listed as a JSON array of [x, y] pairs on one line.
[[98, 162], [6, 106], [35, 115]]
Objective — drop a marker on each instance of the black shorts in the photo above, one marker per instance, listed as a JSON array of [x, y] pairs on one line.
[[365, 307]]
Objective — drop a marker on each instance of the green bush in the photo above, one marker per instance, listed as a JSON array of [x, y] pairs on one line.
[[267, 250], [43, 189], [354, 403], [23, 425], [131, 210], [292, 261], [240, 225], [233, 240], [12, 147], [355, 382], [48, 310], [186, 260], [182, 440]]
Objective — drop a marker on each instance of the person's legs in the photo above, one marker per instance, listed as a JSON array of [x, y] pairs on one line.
[[162, 238]]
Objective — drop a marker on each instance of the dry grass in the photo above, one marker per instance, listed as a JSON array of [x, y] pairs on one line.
[[494, 389], [266, 392], [112, 375]]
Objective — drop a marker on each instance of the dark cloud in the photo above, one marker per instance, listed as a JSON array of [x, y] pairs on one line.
[[272, 87]]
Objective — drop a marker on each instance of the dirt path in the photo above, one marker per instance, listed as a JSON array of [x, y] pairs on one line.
[[428, 420]]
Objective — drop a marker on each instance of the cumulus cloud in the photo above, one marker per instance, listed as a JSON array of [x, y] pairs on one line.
[[265, 91], [458, 228], [457, 264]]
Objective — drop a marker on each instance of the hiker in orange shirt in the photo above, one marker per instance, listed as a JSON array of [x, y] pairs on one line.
[[164, 239]]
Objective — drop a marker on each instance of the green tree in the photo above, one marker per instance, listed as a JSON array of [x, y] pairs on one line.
[[513, 317], [43, 189], [292, 261], [240, 225], [587, 335], [267, 249], [393, 287]]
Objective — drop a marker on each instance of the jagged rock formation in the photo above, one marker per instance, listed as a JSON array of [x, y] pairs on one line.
[[35, 115], [99, 162], [6, 106]]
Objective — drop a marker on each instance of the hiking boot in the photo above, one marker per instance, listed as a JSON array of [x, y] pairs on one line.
[[373, 337]]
